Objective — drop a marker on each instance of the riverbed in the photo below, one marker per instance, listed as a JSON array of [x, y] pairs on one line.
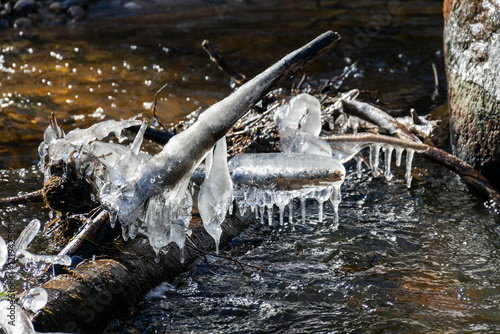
[[419, 259]]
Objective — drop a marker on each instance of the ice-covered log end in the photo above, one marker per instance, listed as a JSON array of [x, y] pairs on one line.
[[265, 180]]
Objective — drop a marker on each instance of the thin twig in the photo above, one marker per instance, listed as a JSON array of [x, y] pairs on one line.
[[240, 79], [197, 247], [32, 197], [241, 264], [154, 106]]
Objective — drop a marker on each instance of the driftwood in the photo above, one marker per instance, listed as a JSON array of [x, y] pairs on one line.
[[97, 291]]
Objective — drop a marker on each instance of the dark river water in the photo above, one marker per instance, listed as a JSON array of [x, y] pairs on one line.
[[420, 259]]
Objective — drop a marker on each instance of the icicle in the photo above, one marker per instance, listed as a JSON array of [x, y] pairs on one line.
[[27, 235], [270, 214], [321, 195], [281, 199], [374, 158], [35, 299], [178, 235], [335, 198], [282, 213], [320, 210], [290, 211], [359, 163], [303, 207], [158, 224], [354, 124], [399, 153], [409, 159], [216, 193], [388, 157], [136, 145]]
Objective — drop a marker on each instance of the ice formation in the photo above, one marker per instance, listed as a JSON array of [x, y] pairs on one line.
[[299, 125], [345, 151], [35, 299], [162, 215], [26, 237], [216, 194], [308, 168], [305, 169], [263, 180]]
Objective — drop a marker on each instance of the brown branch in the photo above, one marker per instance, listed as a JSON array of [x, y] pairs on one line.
[[240, 79], [33, 197], [469, 174]]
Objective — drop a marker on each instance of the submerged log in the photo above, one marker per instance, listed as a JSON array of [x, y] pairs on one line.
[[88, 297], [472, 55]]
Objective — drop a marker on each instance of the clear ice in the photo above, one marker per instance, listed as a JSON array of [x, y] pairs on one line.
[[35, 299], [263, 180], [25, 238], [27, 235], [304, 170], [299, 125], [216, 193]]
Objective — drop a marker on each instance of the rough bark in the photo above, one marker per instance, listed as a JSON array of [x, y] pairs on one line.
[[472, 54]]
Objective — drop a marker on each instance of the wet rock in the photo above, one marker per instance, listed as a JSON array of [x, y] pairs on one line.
[[56, 7], [24, 7], [132, 6], [76, 13], [25, 27], [23, 23], [70, 3], [7, 8]]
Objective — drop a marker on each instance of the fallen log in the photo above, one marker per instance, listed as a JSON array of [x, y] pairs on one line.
[[97, 291], [87, 298]]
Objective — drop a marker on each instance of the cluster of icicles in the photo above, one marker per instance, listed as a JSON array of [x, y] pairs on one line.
[[307, 168]]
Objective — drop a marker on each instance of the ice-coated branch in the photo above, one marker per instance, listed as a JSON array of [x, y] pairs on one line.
[[379, 117], [175, 163], [445, 159]]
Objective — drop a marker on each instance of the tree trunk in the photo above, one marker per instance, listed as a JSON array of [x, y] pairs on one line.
[[472, 55]]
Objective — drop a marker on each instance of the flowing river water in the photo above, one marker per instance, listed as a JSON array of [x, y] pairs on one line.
[[419, 259]]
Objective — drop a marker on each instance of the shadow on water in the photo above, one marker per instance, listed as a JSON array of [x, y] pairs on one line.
[[423, 259]]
